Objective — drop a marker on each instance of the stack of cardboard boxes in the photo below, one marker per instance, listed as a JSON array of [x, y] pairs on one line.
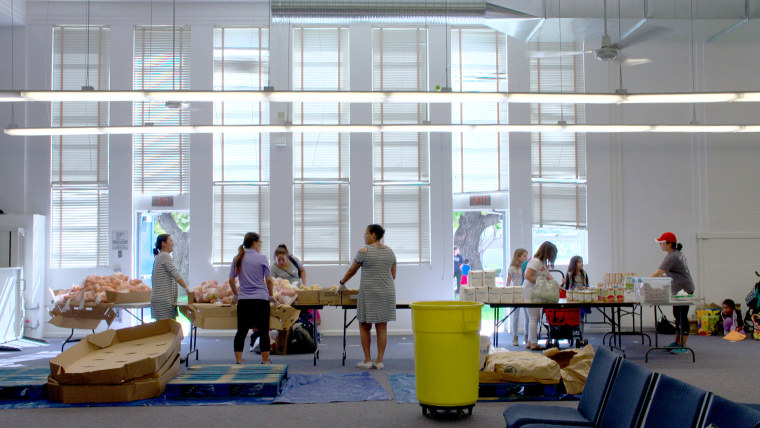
[[117, 365], [481, 287]]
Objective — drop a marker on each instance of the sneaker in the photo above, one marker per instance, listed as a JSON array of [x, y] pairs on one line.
[[679, 351], [378, 366], [515, 342], [673, 345], [364, 366]]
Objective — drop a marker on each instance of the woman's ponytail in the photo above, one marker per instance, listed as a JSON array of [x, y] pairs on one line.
[[678, 246], [238, 260]]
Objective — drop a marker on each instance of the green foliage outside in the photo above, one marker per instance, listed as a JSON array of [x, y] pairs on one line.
[[182, 219]]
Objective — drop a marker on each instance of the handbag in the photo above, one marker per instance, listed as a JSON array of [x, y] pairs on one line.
[[665, 327], [545, 291]]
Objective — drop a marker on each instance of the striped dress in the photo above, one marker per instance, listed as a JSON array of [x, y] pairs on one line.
[[164, 295], [377, 292]]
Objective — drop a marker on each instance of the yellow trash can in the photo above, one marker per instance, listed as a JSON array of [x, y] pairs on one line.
[[446, 339]]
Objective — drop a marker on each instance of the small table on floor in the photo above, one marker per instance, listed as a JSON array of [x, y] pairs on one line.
[[347, 323], [657, 307], [613, 318]]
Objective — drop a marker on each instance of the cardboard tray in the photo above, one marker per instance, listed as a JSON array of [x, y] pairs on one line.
[[114, 357], [308, 297], [150, 386], [329, 297], [132, 297], [224, 317], [88, 318], [349, 297]]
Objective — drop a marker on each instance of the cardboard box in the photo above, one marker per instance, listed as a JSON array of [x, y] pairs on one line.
[[117, 356], [475, 274], [481, 295], [489, 274], [329, 297], [349, 297], [467, 294], [132, 297], [494, 295], [211, 316], [489, 282], [282, 317], [308, 297], [474, 282], [518, 296], [150, 386], [505, 294], [87, 318]]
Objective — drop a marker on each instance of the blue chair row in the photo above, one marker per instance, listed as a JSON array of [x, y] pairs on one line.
[[621, 394]]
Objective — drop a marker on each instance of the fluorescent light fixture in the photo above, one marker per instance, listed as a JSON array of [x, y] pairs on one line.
[[688, 97], [10, 96], [564, 98], [247, 129], [103, 96]]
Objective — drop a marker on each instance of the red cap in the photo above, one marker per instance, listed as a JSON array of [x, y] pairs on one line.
[[667, 237]]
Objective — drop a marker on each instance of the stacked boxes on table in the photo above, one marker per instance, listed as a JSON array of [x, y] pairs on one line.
[[117, 365], [327, 296]]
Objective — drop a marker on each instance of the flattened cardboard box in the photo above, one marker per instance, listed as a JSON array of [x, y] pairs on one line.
[[87, 318], [139, 389], [114, 357], [349, 297], [131, 297], [282, 317], [308, 297]]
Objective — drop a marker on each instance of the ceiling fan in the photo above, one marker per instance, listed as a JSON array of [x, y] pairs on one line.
[[609, 51]]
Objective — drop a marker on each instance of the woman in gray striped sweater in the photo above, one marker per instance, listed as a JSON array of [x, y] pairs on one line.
[[163, 299], [377, 293]]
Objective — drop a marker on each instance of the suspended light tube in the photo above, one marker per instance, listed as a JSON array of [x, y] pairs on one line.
[[246, 129]]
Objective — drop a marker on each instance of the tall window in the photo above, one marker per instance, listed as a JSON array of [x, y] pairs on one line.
[[558, 159], [401, 160], [79, 163], [241, 161], [161, 163], [480, 160], [321, 160]]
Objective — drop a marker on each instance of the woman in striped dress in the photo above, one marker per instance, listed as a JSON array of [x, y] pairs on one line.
[[163, 299], [377, 293]]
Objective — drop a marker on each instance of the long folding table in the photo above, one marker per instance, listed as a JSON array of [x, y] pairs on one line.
[[347, 323], [613, 318]]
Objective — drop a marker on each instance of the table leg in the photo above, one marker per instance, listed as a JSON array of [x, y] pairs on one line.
[[316, 335], [495, 327], [345, 327]]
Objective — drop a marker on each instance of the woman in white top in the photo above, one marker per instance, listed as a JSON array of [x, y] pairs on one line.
[[538, 267], [514, 279]]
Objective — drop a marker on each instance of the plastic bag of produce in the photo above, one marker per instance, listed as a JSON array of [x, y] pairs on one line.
[[545, 291]]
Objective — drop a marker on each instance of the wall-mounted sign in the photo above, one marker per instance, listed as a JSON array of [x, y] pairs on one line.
[[163, 201], [119, 240], [480, 200]]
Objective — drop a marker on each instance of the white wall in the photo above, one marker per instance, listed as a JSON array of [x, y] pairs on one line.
[[699, 187]]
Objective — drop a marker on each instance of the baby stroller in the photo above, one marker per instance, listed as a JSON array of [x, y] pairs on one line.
[[563, 324]]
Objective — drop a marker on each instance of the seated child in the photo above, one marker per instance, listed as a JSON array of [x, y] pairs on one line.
[[730, 318]]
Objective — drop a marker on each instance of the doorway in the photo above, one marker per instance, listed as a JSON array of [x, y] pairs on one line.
[[150, 224]]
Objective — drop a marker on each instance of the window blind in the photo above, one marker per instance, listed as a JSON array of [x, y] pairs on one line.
[[558, 166], [161, 163], [238, 209], [480, 160], [401, 160], [321, 171], [79, 164], [241, 162]]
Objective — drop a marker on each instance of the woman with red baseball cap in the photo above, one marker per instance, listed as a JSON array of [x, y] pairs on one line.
[[674, 266]]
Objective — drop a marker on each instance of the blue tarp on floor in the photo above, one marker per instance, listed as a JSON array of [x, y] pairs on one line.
[[404, 387], [324, 388]]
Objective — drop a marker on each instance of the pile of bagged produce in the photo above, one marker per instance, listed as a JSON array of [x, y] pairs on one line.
[[212, 292], [93, 288]]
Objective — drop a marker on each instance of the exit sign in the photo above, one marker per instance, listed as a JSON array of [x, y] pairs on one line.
[[480, 200], [163, 201]]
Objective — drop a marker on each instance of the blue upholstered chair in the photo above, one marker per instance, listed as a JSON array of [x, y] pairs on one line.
[[675, 404], [589, 409], [727, 414], [629, 393]]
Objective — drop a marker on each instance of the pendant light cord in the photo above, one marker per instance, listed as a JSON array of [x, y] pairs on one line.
[[693, 61], [13, 62], [87, 53], [561, 63], [174, 41]]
